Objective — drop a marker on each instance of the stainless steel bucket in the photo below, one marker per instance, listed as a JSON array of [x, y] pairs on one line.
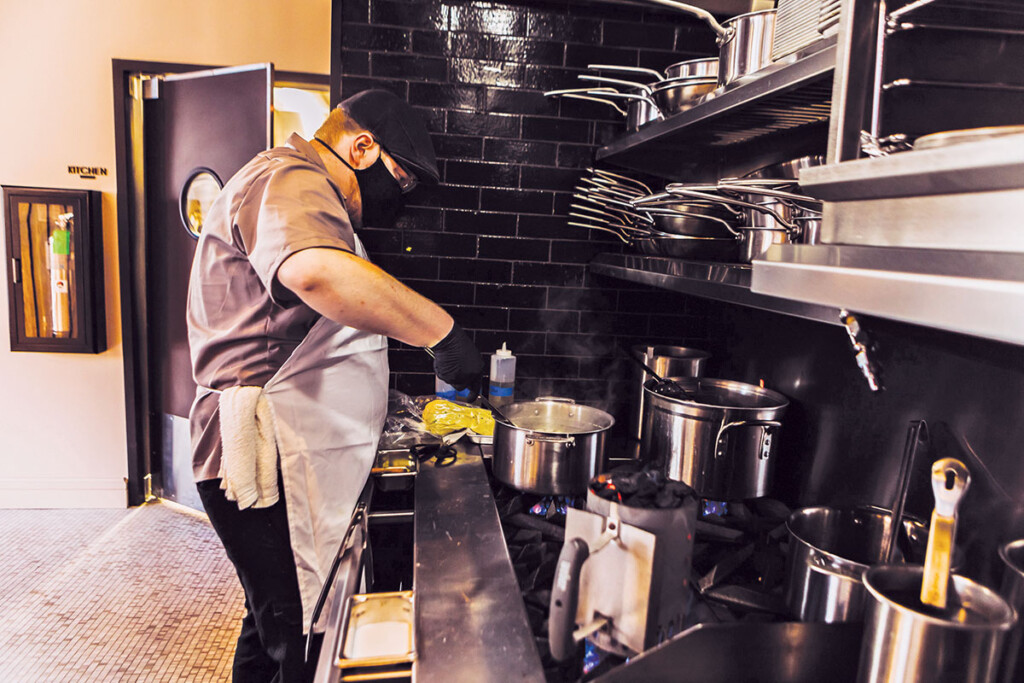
[[667, 361], [722, 442], [903, 644], [556, 447], [1012, 590], [829, 551]]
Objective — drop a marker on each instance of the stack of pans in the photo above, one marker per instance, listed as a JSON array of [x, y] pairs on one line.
[[653, 95], [612, 203], [735, 219]]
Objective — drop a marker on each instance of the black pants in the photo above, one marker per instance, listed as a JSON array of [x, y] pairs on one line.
[[271, 646]]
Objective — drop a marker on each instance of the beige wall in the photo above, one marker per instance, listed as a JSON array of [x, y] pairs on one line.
[[62, 417]]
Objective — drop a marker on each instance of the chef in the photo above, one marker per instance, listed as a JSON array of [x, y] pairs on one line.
[[288, 323]]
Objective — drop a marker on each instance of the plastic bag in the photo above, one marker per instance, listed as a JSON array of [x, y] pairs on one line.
[[443, 417], [404, 425]]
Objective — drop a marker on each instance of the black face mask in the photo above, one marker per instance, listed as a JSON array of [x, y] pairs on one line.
[[381, 194]]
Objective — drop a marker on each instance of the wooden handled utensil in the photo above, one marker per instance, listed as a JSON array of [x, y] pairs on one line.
[[950, 480]]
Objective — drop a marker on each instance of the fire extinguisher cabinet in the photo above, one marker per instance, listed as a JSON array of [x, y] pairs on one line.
[[55, 270]]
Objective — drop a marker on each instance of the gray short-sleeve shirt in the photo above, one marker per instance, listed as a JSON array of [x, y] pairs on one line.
[[242, 324]]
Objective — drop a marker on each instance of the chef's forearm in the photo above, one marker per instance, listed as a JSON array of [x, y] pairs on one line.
[[354, 292]]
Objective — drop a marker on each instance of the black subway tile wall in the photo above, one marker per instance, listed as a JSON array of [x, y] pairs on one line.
[[491, 243]]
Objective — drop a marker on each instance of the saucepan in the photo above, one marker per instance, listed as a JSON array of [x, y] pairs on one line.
[[550, 446], [640, 108], [704, 67], [671, 94], [745, 41]]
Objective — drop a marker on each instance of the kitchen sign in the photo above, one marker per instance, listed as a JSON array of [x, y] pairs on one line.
[[87, 172]]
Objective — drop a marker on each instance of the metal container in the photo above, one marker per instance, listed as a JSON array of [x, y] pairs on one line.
[[690, 247], [786, 170], [667, 361], [722, 441], [626, 566], [1012, 590], [703, 67], [679, 94], [554, 448], [754, 242], [379, 632], [829, 551], [903, 644], [694, 219], [749, 47]]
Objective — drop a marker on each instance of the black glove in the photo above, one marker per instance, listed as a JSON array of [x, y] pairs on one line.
[[458, 362]]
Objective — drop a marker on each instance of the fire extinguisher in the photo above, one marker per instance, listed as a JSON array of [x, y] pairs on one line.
[[59, 257]]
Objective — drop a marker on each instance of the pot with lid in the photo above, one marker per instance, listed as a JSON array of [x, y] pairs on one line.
[[720, 438], [550, 446]]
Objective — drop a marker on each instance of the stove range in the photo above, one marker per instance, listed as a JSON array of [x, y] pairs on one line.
[[738, 566]]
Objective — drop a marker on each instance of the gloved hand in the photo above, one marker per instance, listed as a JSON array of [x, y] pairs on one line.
[[458, 362]]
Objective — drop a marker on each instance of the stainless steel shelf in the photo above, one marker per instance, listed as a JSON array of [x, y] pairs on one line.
[[971, 292], [979, 166], [719, 281], [791, 94]]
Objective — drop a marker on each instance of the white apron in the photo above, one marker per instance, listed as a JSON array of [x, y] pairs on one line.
[[329, 401]]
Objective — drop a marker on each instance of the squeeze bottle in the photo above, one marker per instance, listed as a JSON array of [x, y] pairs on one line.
[[501, 389]]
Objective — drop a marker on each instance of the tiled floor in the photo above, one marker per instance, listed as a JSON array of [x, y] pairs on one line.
[[144, 594]]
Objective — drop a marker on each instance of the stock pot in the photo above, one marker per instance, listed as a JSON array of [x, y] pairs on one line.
[[721, 440], [829, 551], [550, 446]]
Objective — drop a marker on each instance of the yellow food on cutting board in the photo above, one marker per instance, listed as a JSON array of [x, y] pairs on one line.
[[443, 417]]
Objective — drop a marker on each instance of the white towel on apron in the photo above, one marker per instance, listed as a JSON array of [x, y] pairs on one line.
[[248, 464]]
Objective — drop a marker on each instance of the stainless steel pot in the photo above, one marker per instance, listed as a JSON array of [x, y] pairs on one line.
[[554, 448], [904, 644], [690, 247], [1012, 590], [667, 361], [829, 551], [745, 41], [722, 442], [754, 242], [749, 47], [679, 94], [642, 108], [706, 67], [692, 218], [786, 170]]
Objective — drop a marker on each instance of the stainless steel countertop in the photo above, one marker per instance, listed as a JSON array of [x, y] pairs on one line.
[[470, 619]]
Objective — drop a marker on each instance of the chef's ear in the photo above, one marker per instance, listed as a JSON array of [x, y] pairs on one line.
[[362, 145]]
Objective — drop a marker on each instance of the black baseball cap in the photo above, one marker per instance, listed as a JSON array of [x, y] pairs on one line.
[[398, 128]]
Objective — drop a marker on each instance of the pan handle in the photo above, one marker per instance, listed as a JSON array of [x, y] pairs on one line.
[[657, 75], [681, 190], [645, 89], [596, 227], [611, 104], [723, 33], [565, 595]]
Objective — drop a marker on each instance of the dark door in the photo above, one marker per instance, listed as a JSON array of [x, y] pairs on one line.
[[197, 126]]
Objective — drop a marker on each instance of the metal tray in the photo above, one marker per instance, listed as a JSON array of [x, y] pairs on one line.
[[379, 631], [394, 469]]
